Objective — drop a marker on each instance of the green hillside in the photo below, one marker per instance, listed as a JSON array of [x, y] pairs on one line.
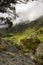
[[23, 31], [26, 38]]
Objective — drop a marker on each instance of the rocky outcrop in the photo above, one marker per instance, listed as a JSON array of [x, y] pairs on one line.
[[40, 49], [39, 55], [10, 55]]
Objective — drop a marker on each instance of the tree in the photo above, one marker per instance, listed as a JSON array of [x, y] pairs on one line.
[[4, 4]]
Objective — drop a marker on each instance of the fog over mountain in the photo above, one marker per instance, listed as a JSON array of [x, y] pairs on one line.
[[30, 11]]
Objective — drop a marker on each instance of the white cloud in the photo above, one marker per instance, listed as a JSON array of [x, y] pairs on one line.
[[23, 7], [36, 12], [29, 11]]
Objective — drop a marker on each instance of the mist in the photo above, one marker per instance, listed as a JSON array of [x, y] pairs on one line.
[[30, 11]]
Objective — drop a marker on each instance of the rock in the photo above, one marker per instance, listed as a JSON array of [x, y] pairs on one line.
[[14, 59], [39, 55], [40, 49], [12, 56]]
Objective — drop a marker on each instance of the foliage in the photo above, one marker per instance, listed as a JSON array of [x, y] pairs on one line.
[[39, 60]]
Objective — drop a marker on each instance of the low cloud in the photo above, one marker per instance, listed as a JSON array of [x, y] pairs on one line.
[[29, 11]]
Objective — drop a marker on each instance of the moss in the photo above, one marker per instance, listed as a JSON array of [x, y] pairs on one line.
[[39, 59]]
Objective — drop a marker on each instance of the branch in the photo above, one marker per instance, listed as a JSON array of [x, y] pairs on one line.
[[22, 1]]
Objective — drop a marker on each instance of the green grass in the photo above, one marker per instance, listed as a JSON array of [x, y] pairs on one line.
[[19, 36], [41, 37]]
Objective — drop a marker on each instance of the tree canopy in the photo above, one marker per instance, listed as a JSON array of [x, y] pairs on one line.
[[4, 4]]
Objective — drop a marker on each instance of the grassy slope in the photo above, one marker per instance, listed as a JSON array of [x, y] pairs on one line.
[[22, 32]]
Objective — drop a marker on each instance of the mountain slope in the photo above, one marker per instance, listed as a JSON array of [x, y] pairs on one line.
[[22, 31], [26, 38]]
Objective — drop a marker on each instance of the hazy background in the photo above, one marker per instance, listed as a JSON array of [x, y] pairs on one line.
[[29, 11]]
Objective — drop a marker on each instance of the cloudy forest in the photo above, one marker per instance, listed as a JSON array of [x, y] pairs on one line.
[[21, 32]]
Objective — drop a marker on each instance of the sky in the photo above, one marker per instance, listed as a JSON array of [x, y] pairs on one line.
[[30, 11]]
